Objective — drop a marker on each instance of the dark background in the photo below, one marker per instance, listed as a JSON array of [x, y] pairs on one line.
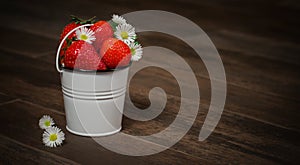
[[258, 42]]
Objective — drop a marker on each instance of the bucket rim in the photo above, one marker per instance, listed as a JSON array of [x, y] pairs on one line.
[[95, 71]]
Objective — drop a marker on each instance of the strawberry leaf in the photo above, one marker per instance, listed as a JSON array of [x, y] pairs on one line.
[[81, 21], [69, 42]]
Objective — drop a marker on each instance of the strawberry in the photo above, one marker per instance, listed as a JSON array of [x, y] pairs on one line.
[[75, 22], [102, 31], [67, 29], [82, 55], [115, 53]]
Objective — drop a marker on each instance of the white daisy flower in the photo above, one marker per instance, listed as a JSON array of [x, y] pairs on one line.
[[53, 136], [45, 122], [85, 34], [136, 51], [118, 19], [126, 33]]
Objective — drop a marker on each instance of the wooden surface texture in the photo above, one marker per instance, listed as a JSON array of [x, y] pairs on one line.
[[258, 42]]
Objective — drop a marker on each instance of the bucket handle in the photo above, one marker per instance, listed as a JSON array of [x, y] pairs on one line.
[[61, 43]]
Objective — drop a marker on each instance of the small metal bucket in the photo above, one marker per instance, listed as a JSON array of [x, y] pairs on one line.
[[93, 101]]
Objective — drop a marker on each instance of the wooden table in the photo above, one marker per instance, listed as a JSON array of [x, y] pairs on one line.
[[258, 42]]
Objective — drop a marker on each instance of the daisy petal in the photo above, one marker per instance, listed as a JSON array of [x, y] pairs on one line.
[[45, 122]]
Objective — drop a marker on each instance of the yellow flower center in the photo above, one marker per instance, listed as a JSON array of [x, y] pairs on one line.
[[83, 37], [47, 123], [53, 137], [124, 35]]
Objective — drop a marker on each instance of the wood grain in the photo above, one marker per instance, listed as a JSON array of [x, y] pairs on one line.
[[14, 152], [80, 149], [163, 120], [257, 42], [5, 99]]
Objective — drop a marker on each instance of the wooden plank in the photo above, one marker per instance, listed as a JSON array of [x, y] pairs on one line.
[[14, 152], [256, 46], [239, 100], [33, 80], [80, 149], [26, 43], [240, 136], [252, 72], [49, 25], [5, 99], [211, 15]]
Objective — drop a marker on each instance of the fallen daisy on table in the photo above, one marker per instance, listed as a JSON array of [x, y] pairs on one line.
[[45, 122], [53, 137]]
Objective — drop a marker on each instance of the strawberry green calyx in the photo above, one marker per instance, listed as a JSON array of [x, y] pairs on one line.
[[81, 21]]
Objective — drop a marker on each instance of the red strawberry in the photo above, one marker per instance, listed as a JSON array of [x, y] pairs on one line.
[[115, 53], [65, 31], [82, 55], [75, 22], [102, 31]]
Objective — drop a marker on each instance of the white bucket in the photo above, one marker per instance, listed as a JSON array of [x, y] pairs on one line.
[[93, 101]]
